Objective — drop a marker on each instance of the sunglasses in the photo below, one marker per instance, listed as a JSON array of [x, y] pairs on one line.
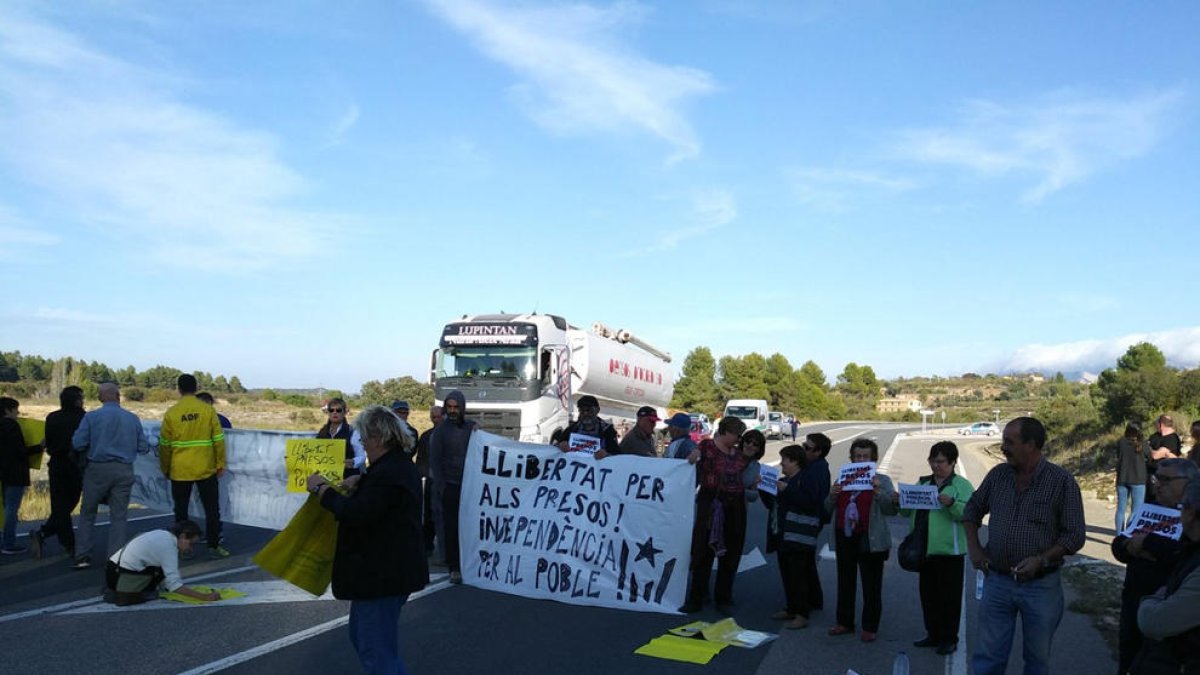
[[336, 410]]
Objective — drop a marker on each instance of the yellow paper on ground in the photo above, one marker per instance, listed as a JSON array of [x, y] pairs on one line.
[[34, 432], [689, 629], [302, 553], [727, 631], [226, 594], [306, 456], [675, 648]]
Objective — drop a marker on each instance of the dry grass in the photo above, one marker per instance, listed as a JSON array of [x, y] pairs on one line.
[[246, 413]]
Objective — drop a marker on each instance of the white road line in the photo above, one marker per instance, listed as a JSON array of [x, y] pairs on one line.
[[109, 522], [288, 640], [956, 663], [65, 606]]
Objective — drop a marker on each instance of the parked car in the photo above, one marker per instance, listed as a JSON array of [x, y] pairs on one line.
[[981, 429], [701, 430], [775, 424]]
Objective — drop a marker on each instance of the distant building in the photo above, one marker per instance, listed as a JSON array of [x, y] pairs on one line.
[[900, 403]]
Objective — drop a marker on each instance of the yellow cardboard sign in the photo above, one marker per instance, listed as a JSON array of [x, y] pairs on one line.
[[34, 432], [305, 456], [225, 593]]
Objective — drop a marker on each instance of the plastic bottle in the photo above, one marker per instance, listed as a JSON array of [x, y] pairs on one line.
[[900, 664], [979, 577]]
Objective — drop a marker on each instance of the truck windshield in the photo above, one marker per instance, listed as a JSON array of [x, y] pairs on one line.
[[487, 361], [745, 412]]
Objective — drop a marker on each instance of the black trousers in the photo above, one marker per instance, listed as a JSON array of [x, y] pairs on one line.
[[66, 486], [734, 507], [852, 563], [427, 525], [181, 494], [801, 584], [941, 584], [450, 500]]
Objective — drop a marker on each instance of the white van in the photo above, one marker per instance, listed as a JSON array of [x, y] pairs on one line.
[[752, 411]]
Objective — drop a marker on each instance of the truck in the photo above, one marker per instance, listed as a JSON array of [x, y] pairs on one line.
[[522, 374]]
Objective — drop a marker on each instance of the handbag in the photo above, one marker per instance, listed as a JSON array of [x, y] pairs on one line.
[[911, 552]]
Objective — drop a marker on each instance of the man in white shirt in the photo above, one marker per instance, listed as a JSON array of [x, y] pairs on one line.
[[134, 573]]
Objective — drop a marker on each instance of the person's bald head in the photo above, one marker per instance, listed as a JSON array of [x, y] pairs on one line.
[[109, 392]]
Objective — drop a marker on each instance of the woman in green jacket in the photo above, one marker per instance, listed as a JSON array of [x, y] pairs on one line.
[[941, 577]]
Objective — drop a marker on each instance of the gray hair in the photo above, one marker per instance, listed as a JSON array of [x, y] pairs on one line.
[[1188, 469], [1191, 495], [381, 424]]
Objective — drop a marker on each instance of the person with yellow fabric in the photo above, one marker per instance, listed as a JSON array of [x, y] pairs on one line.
[[191, 451]]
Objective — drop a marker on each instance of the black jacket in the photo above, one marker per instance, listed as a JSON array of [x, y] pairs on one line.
[[14, 456], [380, 546]]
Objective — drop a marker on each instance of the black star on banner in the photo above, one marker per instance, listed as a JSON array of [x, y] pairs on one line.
[[647, 551]]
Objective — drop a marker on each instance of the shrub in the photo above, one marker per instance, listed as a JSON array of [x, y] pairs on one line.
[[134, 393]]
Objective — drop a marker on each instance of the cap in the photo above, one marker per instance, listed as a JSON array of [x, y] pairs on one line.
[[399, 405], [680, 420], [587, 402], [647, 411]]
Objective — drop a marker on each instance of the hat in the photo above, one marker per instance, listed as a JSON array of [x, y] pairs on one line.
[[587, 402], [647, 411], [680, 420], [399, 405]]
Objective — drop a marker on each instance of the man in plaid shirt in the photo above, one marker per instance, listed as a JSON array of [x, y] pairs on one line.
[[1036, 520]]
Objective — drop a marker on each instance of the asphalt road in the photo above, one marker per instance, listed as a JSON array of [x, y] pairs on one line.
[[51, 620]]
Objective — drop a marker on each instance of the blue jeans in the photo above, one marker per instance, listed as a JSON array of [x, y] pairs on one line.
[[12, 504], [1124, 491], [1040, 604], [375, 634]]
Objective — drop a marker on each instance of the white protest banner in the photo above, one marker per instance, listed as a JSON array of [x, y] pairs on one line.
[[857, 476], [541, 523], [919, 497], [1156, 520], [583, 443], [768, 477], [253, 490]]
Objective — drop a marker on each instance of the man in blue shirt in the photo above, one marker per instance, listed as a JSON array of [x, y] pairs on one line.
[[111, 437], [680, 427], [208, 398]]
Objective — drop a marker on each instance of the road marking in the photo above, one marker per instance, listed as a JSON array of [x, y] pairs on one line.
[[956, 663], [65, 606], [256, 593], [288, 640], [749, 561], [109, 522]]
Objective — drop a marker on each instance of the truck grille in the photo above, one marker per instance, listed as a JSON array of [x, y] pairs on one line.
[[505, 423]]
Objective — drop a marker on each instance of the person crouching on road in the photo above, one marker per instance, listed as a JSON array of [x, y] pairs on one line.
[[380, 554], [134, 573], [863, 540]]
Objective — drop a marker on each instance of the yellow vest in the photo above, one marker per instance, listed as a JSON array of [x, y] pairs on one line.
[[191, 444]]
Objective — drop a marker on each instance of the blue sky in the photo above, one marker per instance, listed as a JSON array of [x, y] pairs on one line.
[[302, 193]]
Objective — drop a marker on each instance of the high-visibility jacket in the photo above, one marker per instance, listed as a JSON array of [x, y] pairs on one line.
[[191, 444]]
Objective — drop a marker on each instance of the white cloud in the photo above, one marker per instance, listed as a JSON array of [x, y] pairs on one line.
[[578, 78], [117, 148], [835, 189], [66, 315], [343, 124], [1058, 140], [1181, 347], [711, 210]]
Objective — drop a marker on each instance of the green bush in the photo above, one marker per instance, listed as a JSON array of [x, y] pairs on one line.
[[160, 396], [134, 393], [297, 400]]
